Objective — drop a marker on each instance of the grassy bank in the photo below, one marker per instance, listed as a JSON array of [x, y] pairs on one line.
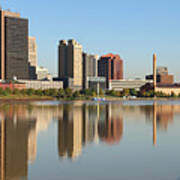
[[81, 98], [87, 94], [25, 97]]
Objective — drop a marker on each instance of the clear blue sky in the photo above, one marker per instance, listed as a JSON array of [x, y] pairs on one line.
[[134, 29]]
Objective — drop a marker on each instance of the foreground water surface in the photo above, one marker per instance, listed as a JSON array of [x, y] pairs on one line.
[[84, 141]]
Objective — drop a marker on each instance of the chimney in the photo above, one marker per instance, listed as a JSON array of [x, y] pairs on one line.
[[154, 71]]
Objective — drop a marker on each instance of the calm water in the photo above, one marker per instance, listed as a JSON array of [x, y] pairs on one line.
[[84, 141]]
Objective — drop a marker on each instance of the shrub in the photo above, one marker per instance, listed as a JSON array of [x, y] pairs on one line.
[[133, 92], [16, 91], [8, 91], [61, 93], [94, 94], [39, 92], [101, 92], [68, 92], [149, 93], [111, 92], [118, 93], [29, 92], [161, 94], [1, 91], [76, 94], [53, 92], [126, 92], [23, 91]]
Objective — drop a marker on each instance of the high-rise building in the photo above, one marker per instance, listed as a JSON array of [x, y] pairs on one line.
[[90, 64], [13, 46], [111, 67], [90, 68], [70, 63], [32, 51], [32, 57]]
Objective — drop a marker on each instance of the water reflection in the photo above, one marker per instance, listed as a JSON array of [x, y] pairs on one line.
[[77, 126], [19, 127], [70, 132]]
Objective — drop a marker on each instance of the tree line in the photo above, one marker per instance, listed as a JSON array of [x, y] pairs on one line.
[[86, 93]]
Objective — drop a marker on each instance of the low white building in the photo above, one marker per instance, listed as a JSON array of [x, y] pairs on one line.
[[119, 85], [43, 73], [42, 84]]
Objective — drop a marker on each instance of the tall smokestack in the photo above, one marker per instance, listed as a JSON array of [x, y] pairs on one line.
[[154, 71]]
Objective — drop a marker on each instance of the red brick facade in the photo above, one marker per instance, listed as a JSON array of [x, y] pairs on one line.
[[110, 66], [12, 86]]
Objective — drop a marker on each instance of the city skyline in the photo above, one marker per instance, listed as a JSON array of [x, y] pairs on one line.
[[142, 30]]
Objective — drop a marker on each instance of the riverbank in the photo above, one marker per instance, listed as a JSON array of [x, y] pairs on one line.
[[26, 98], [11, 98]]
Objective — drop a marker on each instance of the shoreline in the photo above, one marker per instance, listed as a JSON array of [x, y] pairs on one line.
[[31, 99]]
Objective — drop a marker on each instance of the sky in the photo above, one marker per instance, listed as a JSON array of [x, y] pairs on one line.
[[134, 29]]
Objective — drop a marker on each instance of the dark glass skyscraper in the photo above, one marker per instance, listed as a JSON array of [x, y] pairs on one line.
[[13, 46]]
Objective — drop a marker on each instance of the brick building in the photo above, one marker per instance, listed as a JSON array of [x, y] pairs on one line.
[[111, 67], [162, 77], [12, 86]]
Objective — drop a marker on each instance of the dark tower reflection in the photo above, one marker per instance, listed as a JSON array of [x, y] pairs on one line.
[[111, 130], [14, 146], [85, 124]]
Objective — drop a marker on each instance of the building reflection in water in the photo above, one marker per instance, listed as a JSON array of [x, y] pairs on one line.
[[19, 126], [70, 132], [86, 124], [162, 116], [111, 129], [14, 147], [78, 126], [155, 123]]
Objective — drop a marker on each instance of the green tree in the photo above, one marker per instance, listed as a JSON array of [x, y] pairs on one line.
[[1, 91], [76, 94], [16, 91], [8, 91], [133, 92], [46, 92], [101, 92], [111, 92], [23, 91], [68, 92], [29, 92], [53, 92], [39, 92], [93, 94], [126, 92], [61, 93]]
